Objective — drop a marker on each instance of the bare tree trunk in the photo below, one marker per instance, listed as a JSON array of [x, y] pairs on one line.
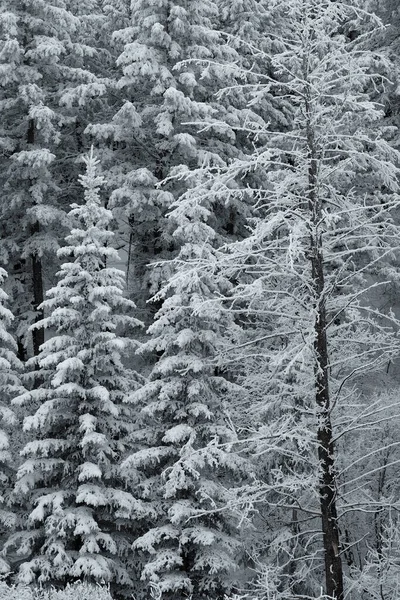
[[21, 350], [38, 296], [37, 271], [326, 450]]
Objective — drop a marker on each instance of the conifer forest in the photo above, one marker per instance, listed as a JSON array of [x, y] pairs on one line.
[[200, 299]]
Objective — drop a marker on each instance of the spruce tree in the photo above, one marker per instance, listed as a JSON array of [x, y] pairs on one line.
[[185, 463], [171, 60], [44, 50], [69, 484], [10, 386]]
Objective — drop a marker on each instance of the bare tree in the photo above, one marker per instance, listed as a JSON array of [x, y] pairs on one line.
[[326, 224]]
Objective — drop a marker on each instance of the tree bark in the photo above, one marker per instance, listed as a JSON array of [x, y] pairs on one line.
[[38, 296], [21, 350], [37, 271], [326, 450]]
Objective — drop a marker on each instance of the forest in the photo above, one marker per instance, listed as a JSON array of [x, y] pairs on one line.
[[200, 299]]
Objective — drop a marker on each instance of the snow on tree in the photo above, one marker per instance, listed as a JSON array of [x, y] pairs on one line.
[[172, 60], [369, 487], [43, 58], [147, 125], [185, 463], [324, 239], [389, 11], [10, 386], [78, 506]]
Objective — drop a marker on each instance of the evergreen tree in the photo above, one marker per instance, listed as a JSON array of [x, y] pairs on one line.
[[69, 484], [171, 60], [10, 386], [43, 58], [147, 124], [185, 462]]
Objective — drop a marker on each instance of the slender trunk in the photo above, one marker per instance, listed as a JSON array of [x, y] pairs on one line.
[[30, 136], [37, 271], [378, 521], [326, 450], [38, 297], [21, 350]]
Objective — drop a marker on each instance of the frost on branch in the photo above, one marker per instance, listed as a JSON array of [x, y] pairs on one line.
[[307, 283]]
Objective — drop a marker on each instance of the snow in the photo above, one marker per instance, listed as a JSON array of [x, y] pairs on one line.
[[245, 167]]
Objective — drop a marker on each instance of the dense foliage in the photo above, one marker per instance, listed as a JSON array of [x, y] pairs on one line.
[[199, 359]]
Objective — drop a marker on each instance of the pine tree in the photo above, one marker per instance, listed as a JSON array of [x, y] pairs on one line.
[[171, 61], [78, 505], [145, 128], [185, 463], [10, 386], [43, 58]]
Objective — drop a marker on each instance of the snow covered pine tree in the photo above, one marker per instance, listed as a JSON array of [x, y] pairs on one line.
[[184, 465], [169, 55], [69, 484], [10, 386], [44, 50]]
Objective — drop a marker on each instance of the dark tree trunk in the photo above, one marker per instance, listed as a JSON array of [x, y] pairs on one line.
[[38, 297], [21, 350], [37, 272], [326, 450]]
